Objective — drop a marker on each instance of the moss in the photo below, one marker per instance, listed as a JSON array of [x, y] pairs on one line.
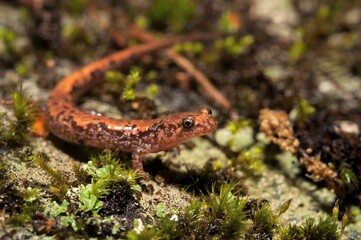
[[174, 14], [8, 38], [75, 6], [129, 92], [25, 113], [59, 183], [325, 228], [105, 171]]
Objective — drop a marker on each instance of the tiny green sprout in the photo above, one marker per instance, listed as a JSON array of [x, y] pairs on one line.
[[302, 112], [8, 38], [324, 11], [114, 76], [55, 209], [129, 92], [189, 47], [69, 221], [251, 160], [349, 180], [299, 48], [23, 68], [336, 209], [237, 136], [344, 222], [142, 22], [284, 207], [152, 91], [234, 47], [31, 194], [89, 197], [160, 210], [236, 125], [151, 75]]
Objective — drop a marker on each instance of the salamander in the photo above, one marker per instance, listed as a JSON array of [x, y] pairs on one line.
[[139, 137]]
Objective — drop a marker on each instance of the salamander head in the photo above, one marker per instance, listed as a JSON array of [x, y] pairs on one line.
[[180, 127]]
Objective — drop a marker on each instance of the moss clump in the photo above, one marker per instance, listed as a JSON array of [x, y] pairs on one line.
[[217, 215], [106, 172], [173, 14], [25, 113], [59, 183]]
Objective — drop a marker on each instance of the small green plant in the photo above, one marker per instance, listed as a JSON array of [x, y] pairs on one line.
[[237, 136], [233, 47], [105, 171], [55, 209], [349, 180], [302, 112], [8, 39], [69, 221], [325, 228], [299, 48], [129, 92], [60, 183], [31, 194], [189, 47], [152, 90], [174, 14], [75, 6], [25, 113], [114, 76]]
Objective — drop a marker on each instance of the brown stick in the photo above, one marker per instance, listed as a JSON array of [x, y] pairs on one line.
[[134, 32]]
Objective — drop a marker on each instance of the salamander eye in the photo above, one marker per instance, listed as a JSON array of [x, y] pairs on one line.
[[188, 122]]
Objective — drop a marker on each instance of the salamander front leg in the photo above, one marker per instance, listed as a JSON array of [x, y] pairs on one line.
[[137, 164]]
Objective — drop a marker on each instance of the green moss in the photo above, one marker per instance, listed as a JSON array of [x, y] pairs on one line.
[[75, 6], [231, 47], [31, 194], [264, 221], [302, 112], [59, 183], [349, 180], [189, 47], [129, 92], [25, 113], [218, 215], [152, 91], [325, 229], [174, 14], [9, 37], [105, 171]]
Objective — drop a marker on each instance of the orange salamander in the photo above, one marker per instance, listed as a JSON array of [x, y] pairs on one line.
[[139, 137]]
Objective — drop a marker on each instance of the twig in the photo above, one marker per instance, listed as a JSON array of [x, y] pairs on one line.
[[135, 32]]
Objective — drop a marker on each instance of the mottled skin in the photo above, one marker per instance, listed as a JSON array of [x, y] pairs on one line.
[[139, 137]]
